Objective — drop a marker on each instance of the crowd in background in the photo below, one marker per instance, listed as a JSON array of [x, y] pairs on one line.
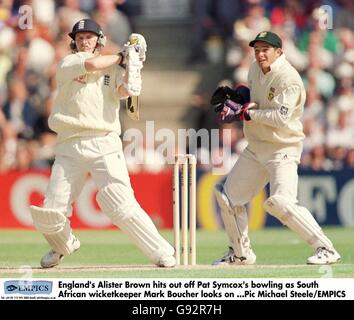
[[322, 51]]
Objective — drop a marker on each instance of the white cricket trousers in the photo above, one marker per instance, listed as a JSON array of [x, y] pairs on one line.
[[278, 166], [255, 168], [252, 171], [101, 156]]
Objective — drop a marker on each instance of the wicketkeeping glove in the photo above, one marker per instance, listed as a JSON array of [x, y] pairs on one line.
[[233, 111], [240, 95]]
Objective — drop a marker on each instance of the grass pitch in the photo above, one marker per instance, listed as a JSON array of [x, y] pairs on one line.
[[110, 254]]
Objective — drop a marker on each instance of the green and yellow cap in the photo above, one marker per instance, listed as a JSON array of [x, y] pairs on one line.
[[268, 37]]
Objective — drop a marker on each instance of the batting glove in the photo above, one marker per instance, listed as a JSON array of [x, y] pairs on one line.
[[138, 42], [133, 82]]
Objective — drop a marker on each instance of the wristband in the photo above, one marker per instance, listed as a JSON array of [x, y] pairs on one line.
[[121, 55]]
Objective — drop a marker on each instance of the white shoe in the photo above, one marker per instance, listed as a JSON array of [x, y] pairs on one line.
[[230, 258], [324, 256], [53, 258], [167, 262]]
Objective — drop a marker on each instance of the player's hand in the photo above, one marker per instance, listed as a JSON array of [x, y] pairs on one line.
[[138, 42], [219, 97], [233, 111], [241, 111], [132, 80], [230, 112], [240, 95], [226, 115]]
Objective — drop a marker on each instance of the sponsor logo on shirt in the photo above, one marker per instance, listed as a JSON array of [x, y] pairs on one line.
[[106, 79], [283, 110], [271, 93]]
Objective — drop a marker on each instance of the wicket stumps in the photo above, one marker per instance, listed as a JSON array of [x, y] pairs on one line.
[[188, 163]]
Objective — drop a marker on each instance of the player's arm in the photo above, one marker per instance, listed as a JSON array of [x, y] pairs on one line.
[[122, 90], [76, 65], [72, 66], [279, 116], [102, 62]]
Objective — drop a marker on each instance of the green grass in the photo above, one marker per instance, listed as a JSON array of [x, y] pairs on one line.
[[280, 254]]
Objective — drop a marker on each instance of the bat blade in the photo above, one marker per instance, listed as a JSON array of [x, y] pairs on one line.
[[132, 107]]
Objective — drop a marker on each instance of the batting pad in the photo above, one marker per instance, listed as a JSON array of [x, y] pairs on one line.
[[55, 228], [118, 202], [298, 219], [235, 222]]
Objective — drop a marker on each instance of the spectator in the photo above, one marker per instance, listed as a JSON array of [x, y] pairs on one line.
[[19, 111], [325, 58], [349, 159], [114, 22], [319, 160], [344, 18], [342, 133]]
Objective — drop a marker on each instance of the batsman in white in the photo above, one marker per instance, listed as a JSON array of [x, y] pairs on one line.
[[86, 119], [274, 132]]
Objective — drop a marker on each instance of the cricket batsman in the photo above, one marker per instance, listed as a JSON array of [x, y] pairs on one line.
[[86, 118], [270, 110]]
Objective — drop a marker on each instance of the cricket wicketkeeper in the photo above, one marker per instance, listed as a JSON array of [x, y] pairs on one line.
[[270, 110], [86, 119]]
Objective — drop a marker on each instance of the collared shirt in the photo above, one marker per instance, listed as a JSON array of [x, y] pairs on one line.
[[280, 96]]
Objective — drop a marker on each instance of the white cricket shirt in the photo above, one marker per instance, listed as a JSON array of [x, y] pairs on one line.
[[280, 95], [87, 103]]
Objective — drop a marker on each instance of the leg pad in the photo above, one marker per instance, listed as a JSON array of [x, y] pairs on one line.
[[118, 202], [235, 222], [298, 219], [55, 228]]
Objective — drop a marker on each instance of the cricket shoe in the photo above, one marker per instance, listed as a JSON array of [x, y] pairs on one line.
[[231, 259], [53, 258], [324, 256], [167, 262]]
